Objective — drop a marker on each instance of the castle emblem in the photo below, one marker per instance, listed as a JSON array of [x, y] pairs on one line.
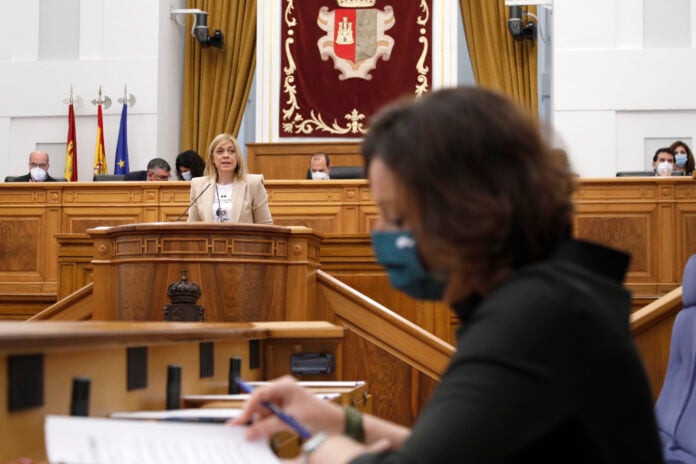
[[355, 37]]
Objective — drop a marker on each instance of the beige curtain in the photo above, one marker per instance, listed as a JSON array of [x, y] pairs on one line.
[[217, 82], [500, 62]]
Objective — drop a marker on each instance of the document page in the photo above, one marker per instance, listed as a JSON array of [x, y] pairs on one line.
[[220, 415], [84, 440]]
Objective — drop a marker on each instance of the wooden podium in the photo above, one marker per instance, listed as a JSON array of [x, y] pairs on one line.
[[246, 272]]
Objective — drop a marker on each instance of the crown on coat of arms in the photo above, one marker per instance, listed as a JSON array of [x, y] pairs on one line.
[[356, 3]]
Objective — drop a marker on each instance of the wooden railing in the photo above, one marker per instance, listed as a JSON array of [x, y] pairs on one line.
[[384, 328], [651, 327]]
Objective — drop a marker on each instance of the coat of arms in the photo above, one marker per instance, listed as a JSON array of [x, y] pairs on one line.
[[355, 37]]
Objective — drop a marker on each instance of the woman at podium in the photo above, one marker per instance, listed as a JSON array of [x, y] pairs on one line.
[[227, 192]]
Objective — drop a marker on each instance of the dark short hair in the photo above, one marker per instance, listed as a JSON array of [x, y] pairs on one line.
[[321, 153], [192, 160], [486, 192], [158, 163], [664, 150]]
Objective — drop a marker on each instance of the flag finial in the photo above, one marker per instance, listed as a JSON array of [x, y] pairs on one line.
[[73, 99], [128, 98], [103, 100]]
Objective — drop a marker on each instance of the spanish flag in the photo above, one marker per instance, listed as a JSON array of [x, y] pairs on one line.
[[99, 152], [71, 148]]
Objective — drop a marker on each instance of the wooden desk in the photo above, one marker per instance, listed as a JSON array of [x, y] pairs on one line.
[[652, 218], [38, 361]]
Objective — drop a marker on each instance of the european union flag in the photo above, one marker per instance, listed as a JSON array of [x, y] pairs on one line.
[[121, 163]]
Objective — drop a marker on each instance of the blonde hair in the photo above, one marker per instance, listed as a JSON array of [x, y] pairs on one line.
[[211, 170]]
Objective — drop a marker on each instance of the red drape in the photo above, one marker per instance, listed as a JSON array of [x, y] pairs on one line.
[[341, 63]]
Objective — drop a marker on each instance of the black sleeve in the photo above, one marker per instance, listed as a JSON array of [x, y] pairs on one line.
[[504, 387]]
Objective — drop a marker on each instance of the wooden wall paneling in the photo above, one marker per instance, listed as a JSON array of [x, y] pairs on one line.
[[631, 228], [21, 306], [320, 217], [665, 247], [27, 253], [326, 206], [291, 160], [685, 233], [86, 206], [74, 262], [171, 200], [368, 213], [300, 282]]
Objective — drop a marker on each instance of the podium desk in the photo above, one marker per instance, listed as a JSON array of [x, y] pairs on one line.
[[127, 364], [246, 272]]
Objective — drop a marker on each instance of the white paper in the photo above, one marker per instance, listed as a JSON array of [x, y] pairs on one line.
[[84, 440], [318, 383], [202, 414], [242, 397]]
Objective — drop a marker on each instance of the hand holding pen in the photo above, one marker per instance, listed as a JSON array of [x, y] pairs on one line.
[[301, 430]]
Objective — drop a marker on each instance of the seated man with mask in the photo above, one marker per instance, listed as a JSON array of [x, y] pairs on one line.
[[320, 166], [663, 162], [38, 169]]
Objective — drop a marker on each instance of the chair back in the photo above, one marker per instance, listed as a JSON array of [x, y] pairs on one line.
[[635, 174], [107, 177], [343, 172], [10, 178], [675, 409]]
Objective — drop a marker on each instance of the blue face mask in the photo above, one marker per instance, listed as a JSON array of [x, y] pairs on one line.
[[397, 252], [680, 159]]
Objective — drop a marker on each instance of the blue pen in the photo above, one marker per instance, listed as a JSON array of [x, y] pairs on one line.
[[275, 409]]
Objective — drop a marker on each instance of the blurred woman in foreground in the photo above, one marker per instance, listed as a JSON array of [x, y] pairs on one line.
[[476, 211]]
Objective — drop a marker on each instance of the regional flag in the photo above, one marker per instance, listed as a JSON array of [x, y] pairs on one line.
[[71, 148], [121, 162], [99, 152]]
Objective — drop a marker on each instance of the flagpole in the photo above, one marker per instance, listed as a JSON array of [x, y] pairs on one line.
[[121, 158], [70, 172], [100, 166]]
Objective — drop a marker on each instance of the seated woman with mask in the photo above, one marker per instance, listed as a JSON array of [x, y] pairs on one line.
[[474, 210], [189, 164], [226, 192], [683, 158]]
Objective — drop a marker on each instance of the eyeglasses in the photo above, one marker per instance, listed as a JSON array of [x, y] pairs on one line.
[[160, 177], [37, 165]]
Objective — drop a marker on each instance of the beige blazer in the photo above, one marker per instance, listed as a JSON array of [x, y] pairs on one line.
[[249, 200]]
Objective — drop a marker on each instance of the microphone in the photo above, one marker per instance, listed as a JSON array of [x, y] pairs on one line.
[[191, 204]]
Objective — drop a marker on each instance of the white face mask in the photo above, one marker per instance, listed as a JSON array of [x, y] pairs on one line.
[[665, 168], [186, 175], [318, 175], [38, 174]]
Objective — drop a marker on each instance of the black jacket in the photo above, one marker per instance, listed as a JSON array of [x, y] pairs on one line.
[[545, 372]]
